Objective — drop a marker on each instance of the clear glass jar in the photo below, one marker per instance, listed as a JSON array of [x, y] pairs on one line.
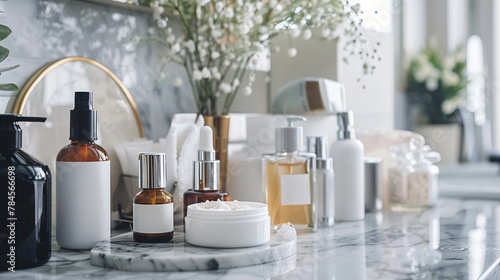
[[413, 179]]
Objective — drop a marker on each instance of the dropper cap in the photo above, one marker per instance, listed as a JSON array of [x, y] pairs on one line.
[[206, 168], [83, 118], [289, 139], [10, 131]]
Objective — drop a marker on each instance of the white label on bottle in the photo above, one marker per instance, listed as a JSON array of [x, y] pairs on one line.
[[295, 190], [158, 218], [83, 203]]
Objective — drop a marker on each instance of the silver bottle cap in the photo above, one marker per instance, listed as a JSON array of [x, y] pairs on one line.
[[206, 168], [289, 139], [318, 145], [345, 121], [152, 170], [373, 184]]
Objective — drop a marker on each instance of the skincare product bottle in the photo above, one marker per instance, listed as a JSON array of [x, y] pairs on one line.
[[348, 162], [25, 200], [153, 206], [206, 174], [325, 190], [83, 182], [289, 180]]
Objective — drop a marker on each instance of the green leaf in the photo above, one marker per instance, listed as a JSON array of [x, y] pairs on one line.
[[8, 68], [8, 87], [3, 53], [4, 32]]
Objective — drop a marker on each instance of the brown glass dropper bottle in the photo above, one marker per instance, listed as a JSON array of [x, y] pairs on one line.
[[206, 174]]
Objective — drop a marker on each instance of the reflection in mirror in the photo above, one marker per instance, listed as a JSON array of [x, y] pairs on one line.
[[50, 93]]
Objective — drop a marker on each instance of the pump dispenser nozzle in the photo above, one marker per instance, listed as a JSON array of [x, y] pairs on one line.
[[289, 139], [206, 168], [83, 118], [11, 131]]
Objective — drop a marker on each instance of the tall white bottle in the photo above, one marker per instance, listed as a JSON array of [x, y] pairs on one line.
[[348, 153]]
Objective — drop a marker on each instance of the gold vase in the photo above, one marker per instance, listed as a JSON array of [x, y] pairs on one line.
[[220, 126]]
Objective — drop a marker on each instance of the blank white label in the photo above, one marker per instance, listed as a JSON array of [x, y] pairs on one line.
[[158, 218], [295, 189]]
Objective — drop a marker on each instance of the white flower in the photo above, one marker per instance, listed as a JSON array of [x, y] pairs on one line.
[[259, 5], [216, 33], [176, 48], [151, 30], [449, 63], [273, 4], [263, 29], [226, 63], [202, 52], [249, 9], [159, 10], [136, 39], [219, 6], [197, 76], [236, 83], [307, 34], [215, 55], [162, 23], [225, 88], [258, 19], [295, 32], [248, 90], [229, 13], [325, 32], [215, 73], [448, 107], [431, 83], [171, 39], [190, 46], [244, 29], [450, 78], [202, 2], [177, 82], [205, 73], [292, 52]]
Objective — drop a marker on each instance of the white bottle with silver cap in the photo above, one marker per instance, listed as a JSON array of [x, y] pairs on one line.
[[325, 190], [348, 162], [153, 206], [289, 179]]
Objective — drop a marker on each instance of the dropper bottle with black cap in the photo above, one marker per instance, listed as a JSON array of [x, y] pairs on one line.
[[82, 182], [25, 200]]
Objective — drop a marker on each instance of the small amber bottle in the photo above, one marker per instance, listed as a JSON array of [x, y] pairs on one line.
[[206, 174], [153, 207]]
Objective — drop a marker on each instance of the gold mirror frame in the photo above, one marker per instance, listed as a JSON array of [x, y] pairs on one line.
[[40, 74]]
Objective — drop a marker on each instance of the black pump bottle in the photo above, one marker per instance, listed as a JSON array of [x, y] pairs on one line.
[[25, 200]]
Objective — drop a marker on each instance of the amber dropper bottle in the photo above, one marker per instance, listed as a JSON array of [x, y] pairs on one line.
[[206, 174], [153, 207]]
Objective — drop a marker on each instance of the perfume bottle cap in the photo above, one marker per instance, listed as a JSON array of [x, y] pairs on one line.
[[152, 170], [345, 121], [206, 168], [318, 146], [83, 118], [289, 139], [11, 131], [373, 184]]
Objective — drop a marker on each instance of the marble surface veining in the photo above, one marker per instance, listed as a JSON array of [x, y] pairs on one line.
[[459, 239], [122, 252]]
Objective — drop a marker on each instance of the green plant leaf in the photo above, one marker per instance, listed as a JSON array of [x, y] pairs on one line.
[[4, 32], [8, 87], [3, 53], [8, 68]]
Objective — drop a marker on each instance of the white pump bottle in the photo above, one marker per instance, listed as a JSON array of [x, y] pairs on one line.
[[348, 162]]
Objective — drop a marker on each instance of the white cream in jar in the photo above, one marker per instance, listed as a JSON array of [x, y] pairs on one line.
[[227, 224]]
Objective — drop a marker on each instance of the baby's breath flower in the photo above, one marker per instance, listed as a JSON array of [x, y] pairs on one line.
[[162, 23], [292, 52], [307, 34], [177, 82], [225, 88]]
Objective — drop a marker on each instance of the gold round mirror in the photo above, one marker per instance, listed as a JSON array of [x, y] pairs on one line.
[[50, 93]]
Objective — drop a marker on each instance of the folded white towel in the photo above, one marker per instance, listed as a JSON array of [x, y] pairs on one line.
[[181, 146]]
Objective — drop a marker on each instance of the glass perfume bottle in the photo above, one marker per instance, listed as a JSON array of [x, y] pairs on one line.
[[290, 181], [206, 174], [153, 207], [83, 175]]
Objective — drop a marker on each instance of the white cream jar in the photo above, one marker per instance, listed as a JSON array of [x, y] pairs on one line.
[[227, 224]]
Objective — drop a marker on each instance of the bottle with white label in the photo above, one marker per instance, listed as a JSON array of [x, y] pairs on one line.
[[82, 182], [153, 206], [290, 180], [348, 162]]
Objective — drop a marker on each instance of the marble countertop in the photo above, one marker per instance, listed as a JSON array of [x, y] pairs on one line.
[[459, 239]]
